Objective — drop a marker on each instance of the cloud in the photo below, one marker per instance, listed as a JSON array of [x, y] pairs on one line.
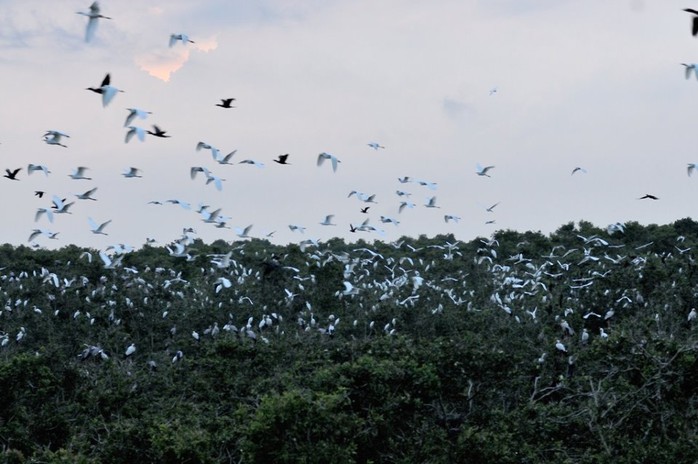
[[163, 63]]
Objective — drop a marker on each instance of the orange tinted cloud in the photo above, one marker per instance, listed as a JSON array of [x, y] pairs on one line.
[[162, 64]]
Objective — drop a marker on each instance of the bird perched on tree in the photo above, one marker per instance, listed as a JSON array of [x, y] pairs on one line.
[[226, 103]]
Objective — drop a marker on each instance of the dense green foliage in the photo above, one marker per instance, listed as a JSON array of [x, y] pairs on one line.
[[423, 350]]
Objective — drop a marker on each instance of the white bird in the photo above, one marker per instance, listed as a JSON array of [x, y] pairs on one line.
[[59, 206], [450, 217], [688, 69], [328, 220], [560, 346], [692, 315], [431, 203], [53, 137], [46, 211], [135, 113], [137, 131], [38, 167], [106, 90], [480, 171], [295, 228], [79, 173], [326, 156], [87, 195], [585, 336], [98, 229], [36, 232], [226, 159], [131, 172], [110, 263], [405, 204], [93, 16], [243, 233], [215, 152], [375, 145], [183, 37], [131, 349], [256, 164]]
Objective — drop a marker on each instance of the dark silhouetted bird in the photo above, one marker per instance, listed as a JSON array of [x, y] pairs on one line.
[[157, 132], [226, 102], [12, 175], [694, 24], [39, 193], [365, 210], [648, 196], [282, 159]]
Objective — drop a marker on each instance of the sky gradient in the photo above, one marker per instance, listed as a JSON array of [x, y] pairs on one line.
[[593, 84]]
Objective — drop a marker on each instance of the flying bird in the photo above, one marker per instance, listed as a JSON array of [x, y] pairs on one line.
[[328, 220], [578, 169], [282, 159], [688, 69], [98, 228], [135, 113], [326, 156], [491, 208], [12, 175], [53, 137], [483, 171], [226, 103], [694, 23], [365, 209], [137, 131], [87, 195], [183, 37], [375, 145], [38, 167], [450, 217], [157, 132], [107, 90], [39, 193], [226, 159], [79, 173], [648, 196], [431, 203], [131, 172], [93, 16]]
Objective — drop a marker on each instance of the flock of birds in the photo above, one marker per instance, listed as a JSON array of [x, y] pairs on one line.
[[569, 296], [60, 203]]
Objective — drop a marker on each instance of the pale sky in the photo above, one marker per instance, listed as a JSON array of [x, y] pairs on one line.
[[596, 84]]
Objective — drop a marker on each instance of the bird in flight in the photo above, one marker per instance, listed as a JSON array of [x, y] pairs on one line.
[[323, 156], [226, 103], [491, 208], [93, 16], [183, 37], [282, 159], [131, 172], [694, 24], [38, 167], [137, 131], [106, 90], [79, 173], [12, 175], [365, 209], [135, 113], [648, 196], [39, 193], [53, 137], [483, 171], [578, 169], [688, 69], [375, 145], [157, 132]]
